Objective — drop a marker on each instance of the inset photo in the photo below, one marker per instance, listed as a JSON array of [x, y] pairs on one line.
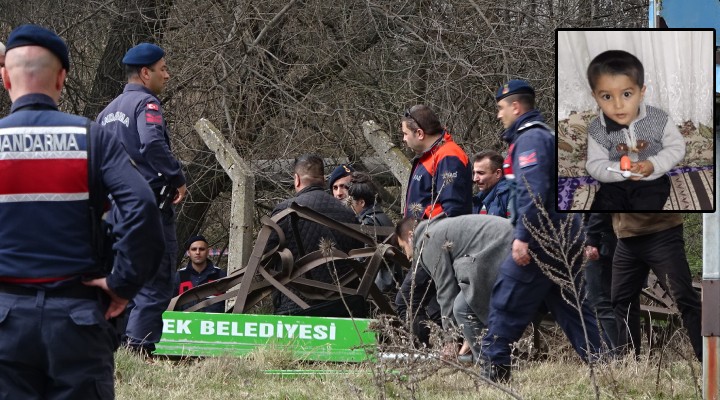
[[635, 120]]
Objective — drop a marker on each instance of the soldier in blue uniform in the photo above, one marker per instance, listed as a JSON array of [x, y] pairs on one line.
[[56, 170], [199, 270], [135, 118], [522, 287]]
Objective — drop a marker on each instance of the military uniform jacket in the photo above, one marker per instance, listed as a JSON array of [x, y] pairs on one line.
[[187, 278], [46, 157], [440, 181], [136, 118], [532, 157]]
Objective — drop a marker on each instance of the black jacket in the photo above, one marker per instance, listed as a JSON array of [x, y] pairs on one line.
[[311, 235]]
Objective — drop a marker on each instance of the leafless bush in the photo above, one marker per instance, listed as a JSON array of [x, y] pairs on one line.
[[281, 78]]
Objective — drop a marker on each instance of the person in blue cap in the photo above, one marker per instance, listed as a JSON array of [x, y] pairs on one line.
[[522, 287], [199, 270], [56, 294], [339, 181], [136, 118]]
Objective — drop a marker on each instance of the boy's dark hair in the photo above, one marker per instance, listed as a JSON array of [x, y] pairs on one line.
[[403, 226], [496, 160], [527, 100], [363, 188], [311, 169], [615, 62]]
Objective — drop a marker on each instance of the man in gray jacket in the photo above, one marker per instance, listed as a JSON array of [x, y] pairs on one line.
[[463, 255]]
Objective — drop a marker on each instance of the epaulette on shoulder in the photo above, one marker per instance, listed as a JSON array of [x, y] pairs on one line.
[[532, 124]]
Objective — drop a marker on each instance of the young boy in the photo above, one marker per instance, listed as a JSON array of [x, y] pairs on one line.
[[627, 126]]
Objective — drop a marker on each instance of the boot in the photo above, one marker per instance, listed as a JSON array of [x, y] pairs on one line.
[[495, 373]]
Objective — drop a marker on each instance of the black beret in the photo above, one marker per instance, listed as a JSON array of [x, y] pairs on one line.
[[143, 54], [514, 86], [33, 35], [341, 171], [194, 239]]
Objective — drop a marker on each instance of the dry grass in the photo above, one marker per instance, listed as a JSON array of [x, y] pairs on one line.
[[663, 373]]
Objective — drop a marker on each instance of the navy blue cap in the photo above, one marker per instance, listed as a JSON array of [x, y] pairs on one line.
[[34, 35], [143, 54], [194, 239], [514, 86], [341, 171]]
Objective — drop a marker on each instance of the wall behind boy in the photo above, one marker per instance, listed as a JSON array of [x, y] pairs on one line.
[[679, 67]]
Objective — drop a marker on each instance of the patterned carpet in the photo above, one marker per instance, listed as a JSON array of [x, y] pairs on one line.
[[692, 190]]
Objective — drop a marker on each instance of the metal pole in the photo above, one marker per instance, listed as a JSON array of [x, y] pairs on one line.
[[711, 302]]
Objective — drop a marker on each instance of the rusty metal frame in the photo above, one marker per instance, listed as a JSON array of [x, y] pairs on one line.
[[249, 285]]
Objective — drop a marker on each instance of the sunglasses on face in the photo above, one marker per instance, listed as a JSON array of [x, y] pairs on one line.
[[408, 114]]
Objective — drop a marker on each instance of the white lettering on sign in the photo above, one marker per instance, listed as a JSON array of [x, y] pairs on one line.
[[279, 330], [266, 330], [183, 327], [176, 326], [235, 331], [223, 328], [207, 328], [250, 328]]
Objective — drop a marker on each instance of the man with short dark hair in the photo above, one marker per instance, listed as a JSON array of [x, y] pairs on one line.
[[464, 272], [56, 291], [309, 184], [494, 195], [440, 175], [136, 118], [199, 270], [522, 286], [440, 183]]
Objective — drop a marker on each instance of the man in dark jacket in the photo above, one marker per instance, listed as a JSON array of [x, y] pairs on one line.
[[309, 181], [199, 270], [493, 197]]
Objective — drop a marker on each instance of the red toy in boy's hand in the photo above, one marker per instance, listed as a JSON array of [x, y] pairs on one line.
[[629, 169], [625, 163]]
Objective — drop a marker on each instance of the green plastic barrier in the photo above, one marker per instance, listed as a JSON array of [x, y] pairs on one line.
[[306, 338]]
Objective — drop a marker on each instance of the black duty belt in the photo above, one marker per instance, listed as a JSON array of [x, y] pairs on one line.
[[77, 291]]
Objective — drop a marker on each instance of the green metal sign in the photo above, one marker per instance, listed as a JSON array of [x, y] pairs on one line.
[[306, 338]]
